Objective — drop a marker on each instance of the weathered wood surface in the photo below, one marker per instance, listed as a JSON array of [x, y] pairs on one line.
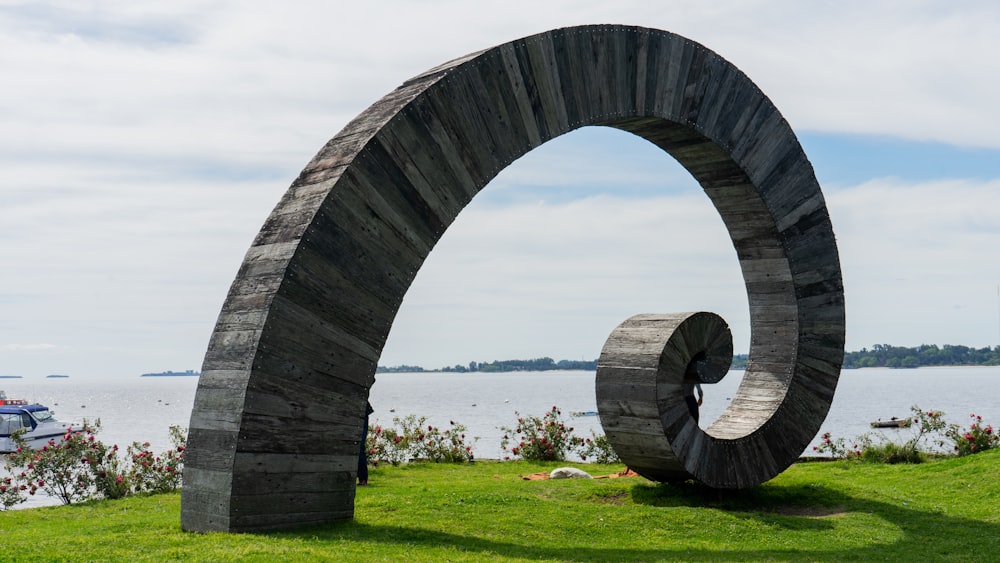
[[640, 376], [296, 344]]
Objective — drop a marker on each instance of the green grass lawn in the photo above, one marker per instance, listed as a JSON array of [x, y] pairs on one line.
[[943, 510]]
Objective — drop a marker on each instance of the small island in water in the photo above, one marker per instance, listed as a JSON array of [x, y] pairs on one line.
[[56, 376], [168, 373]]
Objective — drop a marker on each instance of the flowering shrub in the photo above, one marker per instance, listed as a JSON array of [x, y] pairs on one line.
[[975, 439], [10, 493], [60, 469], [417, 440], [598, 449], [109, 476], [837, 448], [157, 473], [929, 423], [930, 432], [80, 466], [436, 445], [539, 439], [386, 445]]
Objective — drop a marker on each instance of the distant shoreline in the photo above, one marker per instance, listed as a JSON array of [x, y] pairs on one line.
[[188, 373], [879, 356]]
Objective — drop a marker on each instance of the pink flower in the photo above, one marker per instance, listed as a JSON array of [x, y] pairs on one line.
[[119, 479]]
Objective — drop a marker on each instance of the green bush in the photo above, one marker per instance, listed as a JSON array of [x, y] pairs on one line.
[[975, 439], [79, 467], [544, 438], [386, 445], [598, 449], [932, 436], [10, 493], [887, 451], [415, 439], [157, 473], [60, 469]]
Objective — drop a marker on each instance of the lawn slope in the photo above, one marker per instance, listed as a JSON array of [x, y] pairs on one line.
[[485, 511]]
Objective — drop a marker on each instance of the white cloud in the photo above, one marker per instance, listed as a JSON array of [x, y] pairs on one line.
[[918, 262], [554, 280], [143, 146], [27, 347]]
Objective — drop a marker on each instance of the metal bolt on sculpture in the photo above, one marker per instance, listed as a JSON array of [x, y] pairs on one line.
[[273, 438]]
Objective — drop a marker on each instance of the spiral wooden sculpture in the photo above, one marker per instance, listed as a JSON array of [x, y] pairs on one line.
[[274, 433]]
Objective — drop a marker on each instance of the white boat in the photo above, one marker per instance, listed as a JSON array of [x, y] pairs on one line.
[[37, 421]]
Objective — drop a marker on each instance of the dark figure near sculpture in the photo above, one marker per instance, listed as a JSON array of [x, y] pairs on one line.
[[692, 382], [363, 453]]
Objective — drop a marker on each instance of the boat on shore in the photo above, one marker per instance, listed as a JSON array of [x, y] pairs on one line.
[[37, 422], [892, 423]]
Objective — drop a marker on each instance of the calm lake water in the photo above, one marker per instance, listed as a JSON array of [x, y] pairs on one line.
[[143, 408]]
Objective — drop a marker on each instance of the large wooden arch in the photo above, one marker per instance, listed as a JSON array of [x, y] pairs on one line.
[[278, 412]]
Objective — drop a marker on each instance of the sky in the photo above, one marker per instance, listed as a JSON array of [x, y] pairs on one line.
[[142, 146]]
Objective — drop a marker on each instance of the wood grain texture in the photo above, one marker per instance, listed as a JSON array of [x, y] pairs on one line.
[[640, 383], [293, 354]]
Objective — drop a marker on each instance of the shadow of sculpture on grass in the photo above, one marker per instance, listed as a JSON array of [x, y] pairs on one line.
[[767, 512]]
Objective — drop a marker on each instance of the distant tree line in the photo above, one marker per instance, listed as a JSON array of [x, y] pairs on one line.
[[884, 355], [739, 361], [536, 364], [496, 366], [880, 355]]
